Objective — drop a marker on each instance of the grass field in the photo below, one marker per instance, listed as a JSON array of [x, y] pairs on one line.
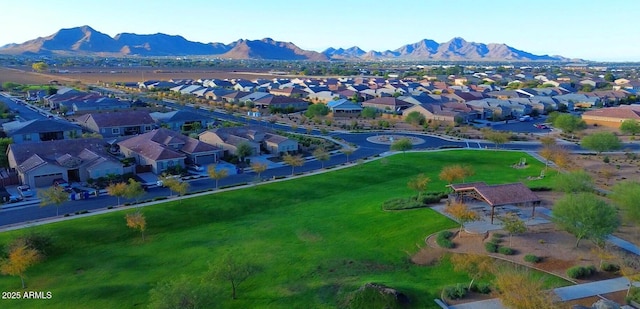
[[313, 239]]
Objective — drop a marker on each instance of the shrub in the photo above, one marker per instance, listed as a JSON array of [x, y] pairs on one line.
[[491, 247], [455, 291], [401, 203], [433, 197], [444, 239], [481, 287], [578, 272], [506, 251], [610, 267], [532, 258], [445, 243]]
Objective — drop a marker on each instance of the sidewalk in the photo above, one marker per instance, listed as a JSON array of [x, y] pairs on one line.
[[566, 293]]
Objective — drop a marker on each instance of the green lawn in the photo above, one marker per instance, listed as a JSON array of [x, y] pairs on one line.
[[313, 238]]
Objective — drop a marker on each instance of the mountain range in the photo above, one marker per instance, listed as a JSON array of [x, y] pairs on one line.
[[87, 41]]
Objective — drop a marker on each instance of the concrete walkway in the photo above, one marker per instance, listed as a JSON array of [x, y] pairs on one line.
[[566, 293], [493, 303], [593, 288]]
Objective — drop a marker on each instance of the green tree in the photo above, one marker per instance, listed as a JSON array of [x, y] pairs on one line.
[[518, 290], [20, 257], [609, 77], [53, 196], [625, 195], [181, 293], [419, 184], [585, 216], [573, 182], [244, 150], [630, 126], [347, 151], [569, 123], [415, 119], [258, 168], [315, 110], [117, 189], [133, 190], [601, 142], [496, 137], [4, 144], [136, 221], [369, 113], [513, 225], [233, 271], [40, 67], [321, 155], [217, 174], [462, 213], [403, 144], [293, 161]]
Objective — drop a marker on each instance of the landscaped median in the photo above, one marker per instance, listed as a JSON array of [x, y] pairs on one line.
[[311, 242]]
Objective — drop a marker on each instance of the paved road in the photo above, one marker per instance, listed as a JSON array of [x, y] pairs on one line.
[[24, 112]]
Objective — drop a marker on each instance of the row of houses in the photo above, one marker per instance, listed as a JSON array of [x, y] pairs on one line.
[[107, 124], [78, 160], [432, 98]]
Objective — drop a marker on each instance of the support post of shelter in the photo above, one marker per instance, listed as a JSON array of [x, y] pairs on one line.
[[492, 209]]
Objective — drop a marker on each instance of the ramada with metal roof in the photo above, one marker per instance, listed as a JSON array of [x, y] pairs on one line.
[[497, 195]]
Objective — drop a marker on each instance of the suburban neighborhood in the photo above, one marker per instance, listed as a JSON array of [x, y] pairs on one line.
[[151, 170]]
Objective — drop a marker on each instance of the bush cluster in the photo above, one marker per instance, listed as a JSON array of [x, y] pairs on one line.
[[444, 239], [532, 258], [482, 288], [433, 197], [401, 203], [609, 267], [579, 272], [491, 247], [506, 251], [455, 291]]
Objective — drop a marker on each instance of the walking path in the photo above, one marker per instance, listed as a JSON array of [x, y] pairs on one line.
[[566, 293]]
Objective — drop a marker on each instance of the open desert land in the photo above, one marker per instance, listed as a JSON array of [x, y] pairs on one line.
[[92, 75]]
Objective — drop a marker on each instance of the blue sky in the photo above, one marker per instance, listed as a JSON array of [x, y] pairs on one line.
[[593, 30]]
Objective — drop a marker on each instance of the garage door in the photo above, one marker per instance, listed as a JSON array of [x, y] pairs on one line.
[[45, 180], [204, 160]]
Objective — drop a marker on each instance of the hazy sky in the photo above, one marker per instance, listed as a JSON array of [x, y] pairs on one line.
[[593, 30]]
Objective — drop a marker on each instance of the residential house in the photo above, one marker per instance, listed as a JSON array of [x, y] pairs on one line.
[[181, 120], [40, 130], [324, 96], [439, 112], [293, 92], [162, 149], [612, 116], [244, 85], [387, 104], [216, 94], [40, 164], [344, 108], [234, 97], [281, 103], [112, 124], [278, 144], [255, 136], [97, 104]]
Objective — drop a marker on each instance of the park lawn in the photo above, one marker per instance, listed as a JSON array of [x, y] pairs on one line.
[[314, 239]]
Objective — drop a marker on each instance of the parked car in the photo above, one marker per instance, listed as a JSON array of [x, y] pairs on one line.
[[14, 199], [160, 182], [25, 191], [541, 126]]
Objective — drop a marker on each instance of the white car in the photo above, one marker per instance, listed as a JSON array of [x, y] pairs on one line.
[[25, 191]]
